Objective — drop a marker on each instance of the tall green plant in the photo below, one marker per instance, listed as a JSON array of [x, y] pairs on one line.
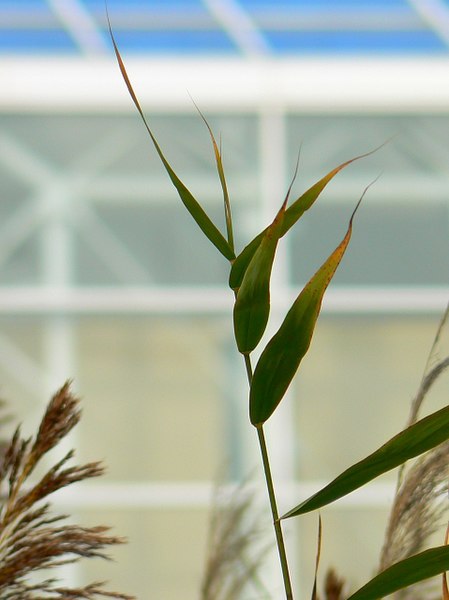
[[249, 279]]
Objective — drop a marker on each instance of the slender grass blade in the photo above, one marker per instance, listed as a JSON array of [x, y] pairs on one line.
[[413, 441], [292, 214], [221, 175], [404, 573], [195, 209]]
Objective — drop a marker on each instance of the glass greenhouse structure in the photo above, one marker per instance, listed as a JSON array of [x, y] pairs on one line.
[[106, 280]]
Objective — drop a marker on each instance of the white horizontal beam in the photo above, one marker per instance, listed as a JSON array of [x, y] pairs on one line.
[[310, 85], [408, 187], [386, 300], [185, 495], [136, 495], [49, 301]]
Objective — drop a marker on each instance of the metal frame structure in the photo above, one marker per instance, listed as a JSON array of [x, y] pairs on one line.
[[309, 85]]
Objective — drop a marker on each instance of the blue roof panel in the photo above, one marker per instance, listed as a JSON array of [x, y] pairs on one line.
[[356, 42], [188, 26], [175, 42], [326, 5], [39, 41], [145, 6], [24, 5]]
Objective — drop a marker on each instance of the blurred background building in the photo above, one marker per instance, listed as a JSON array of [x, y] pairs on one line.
[[105, 279]]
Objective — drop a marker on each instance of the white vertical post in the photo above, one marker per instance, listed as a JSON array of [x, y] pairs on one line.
[[279, 429], [57, 263], [274, 184], [56, 270]]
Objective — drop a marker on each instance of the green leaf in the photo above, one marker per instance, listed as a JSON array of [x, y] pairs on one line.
[[192, 205], [280, 360], [292, 214], [404, 573], [252, 306], [413, 441], [221, 175], [242, 261]]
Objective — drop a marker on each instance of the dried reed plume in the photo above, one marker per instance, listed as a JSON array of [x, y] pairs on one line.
[[235, 552], [418, 506], [421, 495], [30, 538], [333, 586]]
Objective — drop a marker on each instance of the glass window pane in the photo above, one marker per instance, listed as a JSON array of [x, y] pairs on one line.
[[164, 559], [354, 389], [154, 388]]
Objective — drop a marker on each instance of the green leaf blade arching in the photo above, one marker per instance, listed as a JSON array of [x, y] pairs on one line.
[[252, 305], [308, 198], [292, 215], [221, 175], [404, 573], [281, 358], [424, 435], [192, 205]]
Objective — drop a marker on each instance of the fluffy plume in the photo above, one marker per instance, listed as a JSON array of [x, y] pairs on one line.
[[235, 552], [31, 539], [418, 507], [421, 495], [333, 586]]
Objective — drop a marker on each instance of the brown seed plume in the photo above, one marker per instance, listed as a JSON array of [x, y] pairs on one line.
[[31, 538]]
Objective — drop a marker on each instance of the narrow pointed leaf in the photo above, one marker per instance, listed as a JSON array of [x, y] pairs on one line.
[[444, 582], [413, 441], [195, 209], [221, 175], [317, 561], [292, 214], [281, 358], [404, 573], [252, 306]]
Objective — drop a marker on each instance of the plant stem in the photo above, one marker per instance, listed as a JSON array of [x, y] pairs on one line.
[[272, 496], [249, 369], [275, 514]]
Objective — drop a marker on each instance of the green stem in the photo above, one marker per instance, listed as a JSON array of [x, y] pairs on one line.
[[249, 369], [275, 514], [272, 496]]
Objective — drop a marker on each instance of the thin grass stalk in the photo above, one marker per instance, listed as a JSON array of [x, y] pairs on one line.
[[272, 497], [275, 513], [221, 175]]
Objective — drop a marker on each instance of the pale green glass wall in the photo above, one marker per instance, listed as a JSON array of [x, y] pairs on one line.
[[164, 395], [153, 392], [354, 393], [159, 383]]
